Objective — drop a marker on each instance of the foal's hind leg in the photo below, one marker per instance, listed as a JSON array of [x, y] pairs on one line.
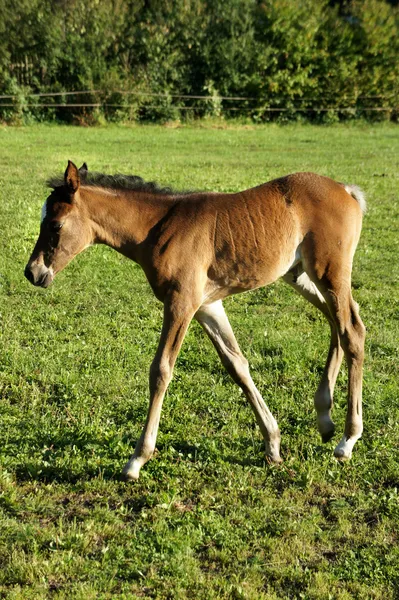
[[216, 324], [352, 333], [323, 400]]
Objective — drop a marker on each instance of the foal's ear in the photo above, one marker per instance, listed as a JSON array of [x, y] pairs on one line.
[[71, 177]]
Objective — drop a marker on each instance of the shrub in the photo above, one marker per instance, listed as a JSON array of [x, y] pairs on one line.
[[309, 58]]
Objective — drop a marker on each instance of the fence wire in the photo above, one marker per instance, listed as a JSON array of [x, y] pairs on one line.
[[205, 98]]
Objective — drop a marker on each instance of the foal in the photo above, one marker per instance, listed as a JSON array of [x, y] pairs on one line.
[[198, 248]]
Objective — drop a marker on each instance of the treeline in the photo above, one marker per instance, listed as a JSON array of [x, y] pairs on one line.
[[266, 59]]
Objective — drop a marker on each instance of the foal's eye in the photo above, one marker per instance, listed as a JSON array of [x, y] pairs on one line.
[[55, 225]]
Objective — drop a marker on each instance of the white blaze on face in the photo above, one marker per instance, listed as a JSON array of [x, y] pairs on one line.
[[44, 212]]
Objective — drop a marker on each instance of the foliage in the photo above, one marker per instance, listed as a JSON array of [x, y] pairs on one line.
[[208, 519], [312, 55]]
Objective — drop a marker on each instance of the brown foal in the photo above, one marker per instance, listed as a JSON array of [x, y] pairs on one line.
[[198, 248]]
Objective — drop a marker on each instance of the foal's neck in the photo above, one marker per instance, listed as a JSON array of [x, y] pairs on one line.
[[123, 219]]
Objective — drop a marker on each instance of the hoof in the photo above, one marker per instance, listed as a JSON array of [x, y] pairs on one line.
[[327, 435], [274, 460], [272, 450], [344, 449], [129, 476], [131, 471], [341, 455], [326, 427]]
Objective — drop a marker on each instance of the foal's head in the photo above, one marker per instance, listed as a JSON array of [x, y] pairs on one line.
[[64, 231]]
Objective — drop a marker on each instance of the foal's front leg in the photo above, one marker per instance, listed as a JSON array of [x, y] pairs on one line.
[[177, 317]]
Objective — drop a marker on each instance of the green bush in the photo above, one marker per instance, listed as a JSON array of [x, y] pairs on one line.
[[291, 60]]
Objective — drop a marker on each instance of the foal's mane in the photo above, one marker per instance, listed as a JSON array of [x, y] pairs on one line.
[[114, 182]]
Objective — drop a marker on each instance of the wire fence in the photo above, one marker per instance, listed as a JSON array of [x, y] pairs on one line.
[[352, 103], [170, 95]]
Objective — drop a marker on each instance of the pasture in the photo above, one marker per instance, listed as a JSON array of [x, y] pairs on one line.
[[209, 518]]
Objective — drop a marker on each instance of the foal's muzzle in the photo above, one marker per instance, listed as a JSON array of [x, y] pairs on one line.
[[39, 275]]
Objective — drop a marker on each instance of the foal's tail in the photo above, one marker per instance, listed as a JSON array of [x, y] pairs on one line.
[[358, 195]]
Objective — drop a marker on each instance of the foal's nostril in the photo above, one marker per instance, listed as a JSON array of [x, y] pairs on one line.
[[29, 275]]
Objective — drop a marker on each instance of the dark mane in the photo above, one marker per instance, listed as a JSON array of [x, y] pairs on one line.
[[114, 182]]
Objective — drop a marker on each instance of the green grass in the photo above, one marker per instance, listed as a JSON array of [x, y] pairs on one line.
[[208, 518]]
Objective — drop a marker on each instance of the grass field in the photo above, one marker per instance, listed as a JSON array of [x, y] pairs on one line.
[[208, 517]]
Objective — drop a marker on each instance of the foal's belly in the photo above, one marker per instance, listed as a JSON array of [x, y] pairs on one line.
[[241, 277]]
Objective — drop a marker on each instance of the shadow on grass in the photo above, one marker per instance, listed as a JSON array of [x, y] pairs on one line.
[[33, 471], [245, 454], [96, 459]]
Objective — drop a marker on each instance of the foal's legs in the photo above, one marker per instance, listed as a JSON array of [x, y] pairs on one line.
[[177, 317], [214, 321], [352, 333], [323, 400]]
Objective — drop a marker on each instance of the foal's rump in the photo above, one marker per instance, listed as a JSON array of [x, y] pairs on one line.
[[330, 214]]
